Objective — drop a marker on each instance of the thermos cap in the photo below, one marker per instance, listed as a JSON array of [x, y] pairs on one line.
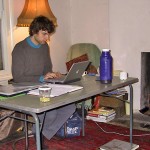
[[105, 50]]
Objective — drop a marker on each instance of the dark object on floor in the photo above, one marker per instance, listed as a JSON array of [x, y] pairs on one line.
[[10, 81], [144, 110], [145, 126]]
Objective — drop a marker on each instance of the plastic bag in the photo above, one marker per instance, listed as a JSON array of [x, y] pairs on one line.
[[72, 127]]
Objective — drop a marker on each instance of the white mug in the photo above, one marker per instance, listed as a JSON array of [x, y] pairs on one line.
[[123, 75]]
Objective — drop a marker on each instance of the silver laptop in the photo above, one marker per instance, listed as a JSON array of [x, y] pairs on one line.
[[13, 89], [75, 73]]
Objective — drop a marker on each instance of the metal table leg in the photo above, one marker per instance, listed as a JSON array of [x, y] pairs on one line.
[[37, 125], [131, 113], [83, 121], [26, 132]]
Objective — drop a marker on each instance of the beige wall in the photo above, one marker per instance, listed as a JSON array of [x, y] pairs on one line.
[[89, 22], [129, 36], [121, 25]]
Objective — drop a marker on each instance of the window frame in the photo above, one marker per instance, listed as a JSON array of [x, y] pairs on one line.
[[7, 39]]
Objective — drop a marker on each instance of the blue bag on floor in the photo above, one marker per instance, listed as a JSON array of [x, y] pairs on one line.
[[72, 127]]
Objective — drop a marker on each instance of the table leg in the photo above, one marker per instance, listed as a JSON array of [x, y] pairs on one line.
[[26, 131], [131, 113], [37, 125], [83, 121]]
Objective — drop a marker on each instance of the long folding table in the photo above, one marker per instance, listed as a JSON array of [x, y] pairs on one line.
[[30, 104]]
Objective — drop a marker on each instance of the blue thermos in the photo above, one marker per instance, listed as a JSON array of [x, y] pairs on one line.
[[105, 68]]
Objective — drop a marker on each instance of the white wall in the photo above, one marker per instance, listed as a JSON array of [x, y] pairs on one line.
[[89, 22], [61, 40], [129, 23]]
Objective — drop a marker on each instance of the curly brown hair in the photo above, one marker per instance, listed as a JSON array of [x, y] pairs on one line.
[[41, 23]]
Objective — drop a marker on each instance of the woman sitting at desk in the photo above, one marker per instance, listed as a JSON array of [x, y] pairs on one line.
[[31, 63]]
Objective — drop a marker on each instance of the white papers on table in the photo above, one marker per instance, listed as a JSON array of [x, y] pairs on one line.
[[57, 89]]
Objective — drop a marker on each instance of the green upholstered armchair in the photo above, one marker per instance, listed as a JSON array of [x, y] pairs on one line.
[[90, 49], [93, 53]]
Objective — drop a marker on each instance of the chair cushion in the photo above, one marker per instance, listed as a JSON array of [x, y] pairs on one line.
[[80, 49], [83, 57]]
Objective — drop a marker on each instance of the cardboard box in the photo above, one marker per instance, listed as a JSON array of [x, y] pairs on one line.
[[117, 105]]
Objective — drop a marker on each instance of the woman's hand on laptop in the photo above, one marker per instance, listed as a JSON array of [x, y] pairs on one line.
[[50, 75]]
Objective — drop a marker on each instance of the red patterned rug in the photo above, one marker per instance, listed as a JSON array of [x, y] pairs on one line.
[[94, 138]]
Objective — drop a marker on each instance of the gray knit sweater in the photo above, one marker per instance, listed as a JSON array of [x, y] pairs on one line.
[[29, 63]]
